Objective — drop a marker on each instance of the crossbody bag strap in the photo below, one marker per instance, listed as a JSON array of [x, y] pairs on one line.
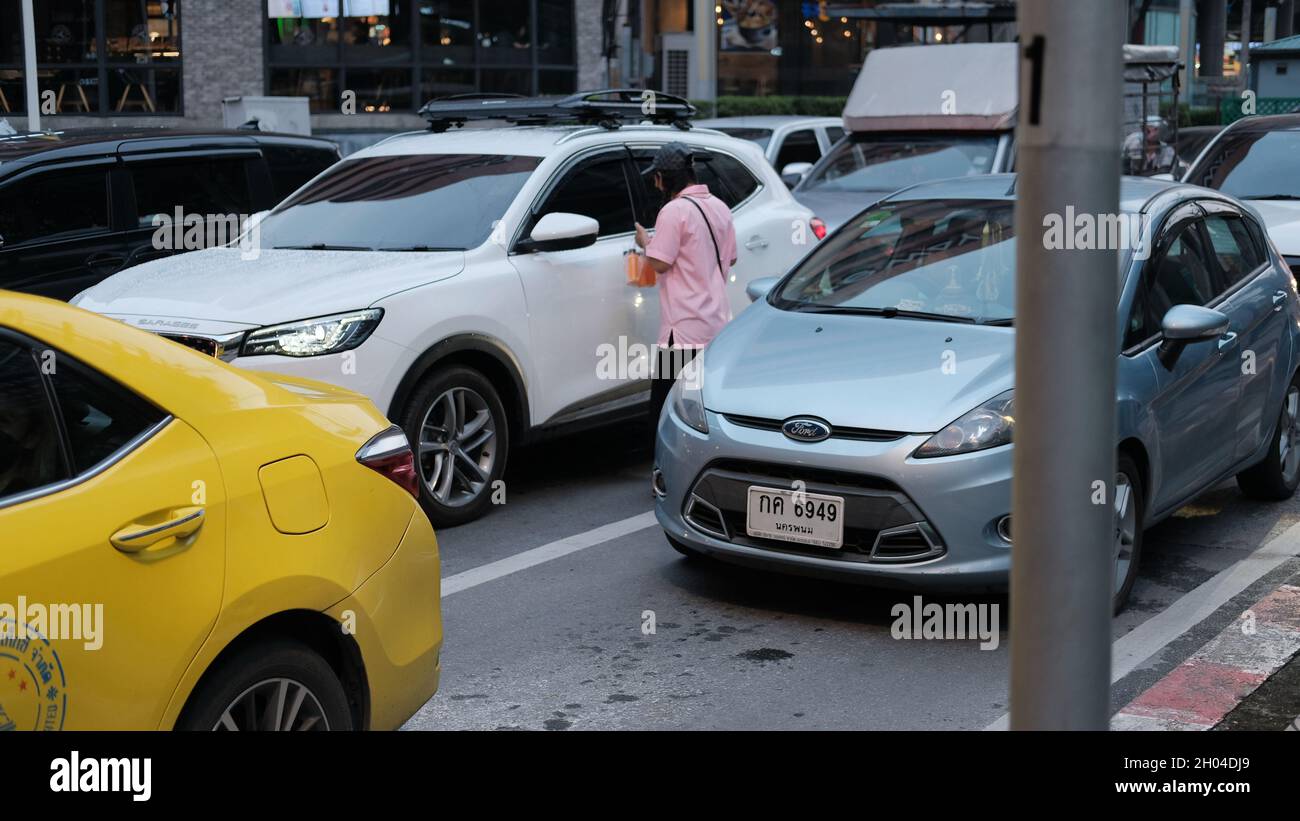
[[716, 252]]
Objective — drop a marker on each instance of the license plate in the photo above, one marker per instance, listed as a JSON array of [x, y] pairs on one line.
[[802, 518]]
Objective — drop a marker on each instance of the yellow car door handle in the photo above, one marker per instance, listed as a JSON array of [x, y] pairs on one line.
[[182, 523]]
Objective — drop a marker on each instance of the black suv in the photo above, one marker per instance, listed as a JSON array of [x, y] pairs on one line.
[[78, 206]]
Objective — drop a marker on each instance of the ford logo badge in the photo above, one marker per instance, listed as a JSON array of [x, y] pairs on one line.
[[806, 430]]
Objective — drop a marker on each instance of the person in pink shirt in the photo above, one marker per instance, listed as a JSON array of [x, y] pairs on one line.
[[692, 250]]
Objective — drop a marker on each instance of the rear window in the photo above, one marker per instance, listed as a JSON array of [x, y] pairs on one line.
[[402, 203], [758, 136], [888, 162]]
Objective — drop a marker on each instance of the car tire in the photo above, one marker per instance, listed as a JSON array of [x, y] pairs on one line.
[[462, 395], [1127, 544], [1276, 477], [236, 694]]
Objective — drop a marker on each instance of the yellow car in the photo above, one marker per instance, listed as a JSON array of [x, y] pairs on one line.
[[186, 545]]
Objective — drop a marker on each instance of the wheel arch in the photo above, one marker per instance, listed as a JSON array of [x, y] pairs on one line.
[[318, 631], [1135, 450], [485, 354]]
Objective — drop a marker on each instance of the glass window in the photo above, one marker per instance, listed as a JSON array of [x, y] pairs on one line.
[[1180, 277], [401, 203], [207, 187], [834, 133], [1252, 165], [890, 162], [30, 454], [799, 146], [1232, 244], [318, 85], [54, 205], [505, 31], [101, 417], [942, 259], [381, 90], [292, 167], [727, 178], [757, 136], [447, 30], [555, 32], [597, 188]]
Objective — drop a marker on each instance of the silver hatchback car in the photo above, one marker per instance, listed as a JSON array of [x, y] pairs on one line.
[[856, 422]]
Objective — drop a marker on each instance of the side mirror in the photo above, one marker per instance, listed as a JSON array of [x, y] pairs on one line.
[[794, 172], [1185, 325], [761, 287], [561, 231], [1163, 177], [2, 240]]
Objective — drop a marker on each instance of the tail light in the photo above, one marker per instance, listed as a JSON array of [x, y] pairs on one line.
[[390, 453], [818, 227]]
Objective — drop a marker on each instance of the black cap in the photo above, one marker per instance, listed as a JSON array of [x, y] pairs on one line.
[[671, 157]]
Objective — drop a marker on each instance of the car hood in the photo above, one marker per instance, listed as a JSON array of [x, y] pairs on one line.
[[217, 290], [1282, 219], [836, 207], [856, 371]]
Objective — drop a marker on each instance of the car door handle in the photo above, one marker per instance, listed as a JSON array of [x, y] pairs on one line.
[[1279, 299], [1227, 340], [180, 524], [756, 242], [113, 261]]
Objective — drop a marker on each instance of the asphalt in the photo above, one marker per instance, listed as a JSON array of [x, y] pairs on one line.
[[567, 644]]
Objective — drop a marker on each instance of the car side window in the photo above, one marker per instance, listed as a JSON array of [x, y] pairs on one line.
[[100, 416], [207, 187], [726, 177], [31, 456], [54, 205], [834, 133], [1233, 246], [1181, 276], [293, 167], [596, 188], [799, 146]]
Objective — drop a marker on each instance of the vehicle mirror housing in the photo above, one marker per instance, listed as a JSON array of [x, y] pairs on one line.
[[1188, 324], [794, 172], [561, 231], [761, 287]]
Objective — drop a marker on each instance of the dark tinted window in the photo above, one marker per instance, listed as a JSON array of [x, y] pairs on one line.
[[30, 455], [292, 167], [401, 202], [596, 188], [726, 177], [1181, 276], [207, 187], [1233, 245], [100, 416], [54, 205], [799, 146], [834, 133], [1252, 165]]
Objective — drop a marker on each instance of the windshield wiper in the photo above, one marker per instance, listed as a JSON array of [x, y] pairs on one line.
[[421, 248], [887, 313], [1272, 197], [320, 246]]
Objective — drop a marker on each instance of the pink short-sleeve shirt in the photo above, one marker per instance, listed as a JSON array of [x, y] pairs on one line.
[[693, 304]]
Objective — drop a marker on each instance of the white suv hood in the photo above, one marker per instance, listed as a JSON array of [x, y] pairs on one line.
[[219, 291]]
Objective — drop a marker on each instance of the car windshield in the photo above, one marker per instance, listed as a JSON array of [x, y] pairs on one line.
[[400, 203], [949, 260], [888, 162], [758, 136], [1252, 165]]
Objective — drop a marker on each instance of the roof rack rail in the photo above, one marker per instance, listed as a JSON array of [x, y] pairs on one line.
[[608, 108]]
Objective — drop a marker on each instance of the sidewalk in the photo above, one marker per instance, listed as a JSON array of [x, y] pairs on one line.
[[1246, 677]]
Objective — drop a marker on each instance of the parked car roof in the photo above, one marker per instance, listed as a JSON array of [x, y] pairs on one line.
[[521, 140], [43, 146], [766, 121]]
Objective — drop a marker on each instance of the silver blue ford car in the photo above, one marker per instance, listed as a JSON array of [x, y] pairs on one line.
[[857, 421]]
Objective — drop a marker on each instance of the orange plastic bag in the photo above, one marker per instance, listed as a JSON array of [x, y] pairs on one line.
[[640, 274]]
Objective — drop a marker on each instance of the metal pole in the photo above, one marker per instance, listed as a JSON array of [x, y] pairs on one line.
[[29, 63], [1215, 22], [1186, 44], [1066, 345], [1285, 18], [706, 48], [1245, 43]]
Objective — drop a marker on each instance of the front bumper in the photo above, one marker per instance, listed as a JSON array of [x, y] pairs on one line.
[[397, 615], [916, 523]]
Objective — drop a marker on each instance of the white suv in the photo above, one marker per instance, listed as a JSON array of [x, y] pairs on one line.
[[471, 283]]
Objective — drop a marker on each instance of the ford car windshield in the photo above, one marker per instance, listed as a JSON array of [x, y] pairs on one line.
[[420, 202], [949, 260]]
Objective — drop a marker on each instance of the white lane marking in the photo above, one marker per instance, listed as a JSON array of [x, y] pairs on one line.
[[547, 552], [1157, 632]]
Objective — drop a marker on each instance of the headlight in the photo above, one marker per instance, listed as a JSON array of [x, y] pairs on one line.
[[688, 395], [988, 426], [314, 337]]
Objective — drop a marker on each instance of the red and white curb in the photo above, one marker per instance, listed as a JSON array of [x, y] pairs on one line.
[[1198, 693]]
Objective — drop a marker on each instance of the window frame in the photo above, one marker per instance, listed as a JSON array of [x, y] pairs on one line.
[[535, 209], [73, 477], [112, 201]]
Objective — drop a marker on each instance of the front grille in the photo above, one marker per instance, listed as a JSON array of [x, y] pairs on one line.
[[858, 434], [202, 344], [881, 523]]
